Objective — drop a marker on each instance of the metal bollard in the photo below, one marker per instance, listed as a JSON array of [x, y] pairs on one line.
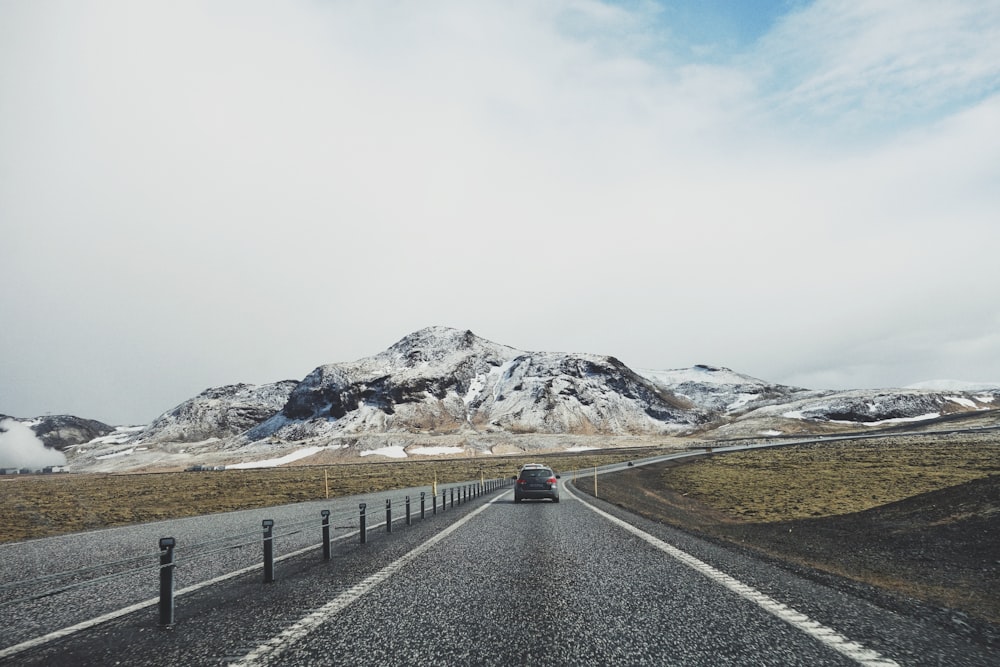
[[422, 505], [326, 534], [388, 515], [409, 522], [434, 504], [268, 525], [167, 545], [453, 497], [363, 524]]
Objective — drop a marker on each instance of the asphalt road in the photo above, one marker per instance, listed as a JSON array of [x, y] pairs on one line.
[[491, 582]]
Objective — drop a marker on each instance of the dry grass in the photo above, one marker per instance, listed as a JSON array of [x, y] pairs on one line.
[[45, 505], [833, 478]]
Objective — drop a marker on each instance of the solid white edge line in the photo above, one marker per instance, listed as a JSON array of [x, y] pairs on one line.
[[828, 636], [272, 648]]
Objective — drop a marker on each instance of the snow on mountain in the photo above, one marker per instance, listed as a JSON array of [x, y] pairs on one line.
[[444, 380], [719, 389], [219, 412], [859, 409], [443, 390]]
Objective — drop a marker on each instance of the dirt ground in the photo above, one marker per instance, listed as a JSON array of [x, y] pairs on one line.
[[935, 553]]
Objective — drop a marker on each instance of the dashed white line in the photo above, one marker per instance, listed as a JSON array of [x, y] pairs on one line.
[[273, 648]]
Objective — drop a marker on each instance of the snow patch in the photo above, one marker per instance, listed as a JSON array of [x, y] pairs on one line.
[[120, 435], [281, 460], [393, 452], [961, 400], [897, 420]]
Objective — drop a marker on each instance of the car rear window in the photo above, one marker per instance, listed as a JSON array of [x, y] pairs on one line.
[[537, 472]]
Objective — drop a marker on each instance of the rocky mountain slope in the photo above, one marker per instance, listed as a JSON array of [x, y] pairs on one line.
[[220, 412], [442, 390], [448, 381]]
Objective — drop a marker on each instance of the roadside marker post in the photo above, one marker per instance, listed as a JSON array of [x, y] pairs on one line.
[[268, 525], [326, 534], [167, 545]]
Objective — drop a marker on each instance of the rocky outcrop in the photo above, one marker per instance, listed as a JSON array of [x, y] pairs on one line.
[[220, 412]]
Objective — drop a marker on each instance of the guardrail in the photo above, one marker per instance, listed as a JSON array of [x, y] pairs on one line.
[[172, 555]]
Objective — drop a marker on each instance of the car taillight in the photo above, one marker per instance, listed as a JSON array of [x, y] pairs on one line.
[[551, 480], [522, 481]]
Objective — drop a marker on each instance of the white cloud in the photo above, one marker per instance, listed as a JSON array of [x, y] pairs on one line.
[[197, 194], [884, 60]]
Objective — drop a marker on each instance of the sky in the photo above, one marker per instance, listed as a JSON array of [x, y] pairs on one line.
[[196, 194]]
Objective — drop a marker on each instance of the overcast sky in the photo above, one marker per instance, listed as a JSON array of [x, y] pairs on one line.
[[195, 194]]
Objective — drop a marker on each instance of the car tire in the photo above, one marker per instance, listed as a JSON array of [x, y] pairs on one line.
[[556, 499], [516, 499]]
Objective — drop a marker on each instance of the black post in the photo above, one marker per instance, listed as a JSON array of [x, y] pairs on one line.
[[326, 534], [388, 515], [422, 504], [167, 545], [268, 525], [409, 522], [434, 504], [363, 523], [453, 497]]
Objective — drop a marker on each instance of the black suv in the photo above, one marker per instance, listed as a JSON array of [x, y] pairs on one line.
[[537, 482]]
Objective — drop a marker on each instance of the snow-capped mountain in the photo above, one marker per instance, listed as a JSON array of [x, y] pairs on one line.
[[448, 390], [446, 381]]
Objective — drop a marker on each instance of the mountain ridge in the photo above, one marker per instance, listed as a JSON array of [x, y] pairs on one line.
[[441, 384]]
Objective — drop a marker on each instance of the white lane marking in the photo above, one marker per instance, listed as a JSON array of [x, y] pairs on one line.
[[272, 648], [796, 619], [118, 613]]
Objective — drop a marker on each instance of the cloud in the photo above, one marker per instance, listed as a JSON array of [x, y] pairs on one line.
[[20, 448], [880, 61], [197, 194]]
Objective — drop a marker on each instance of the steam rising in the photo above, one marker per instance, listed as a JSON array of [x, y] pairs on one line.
[[21, 448]]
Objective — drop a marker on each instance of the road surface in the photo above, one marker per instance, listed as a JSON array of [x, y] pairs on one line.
[[491, 582]]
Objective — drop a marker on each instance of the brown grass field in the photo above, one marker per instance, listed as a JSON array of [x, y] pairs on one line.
[[45, 505]]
